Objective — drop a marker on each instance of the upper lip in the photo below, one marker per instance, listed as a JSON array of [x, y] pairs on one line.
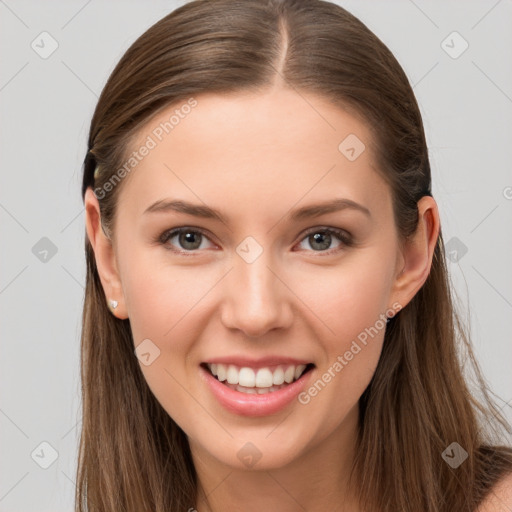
[[262, 362]]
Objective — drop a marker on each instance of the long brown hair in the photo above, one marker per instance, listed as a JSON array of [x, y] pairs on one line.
[[133, 457]]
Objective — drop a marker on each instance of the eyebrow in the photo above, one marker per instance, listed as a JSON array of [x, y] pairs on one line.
[[313, 210]]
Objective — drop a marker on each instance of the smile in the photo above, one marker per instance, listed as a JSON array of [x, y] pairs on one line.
[[256, 380], [250, 389]]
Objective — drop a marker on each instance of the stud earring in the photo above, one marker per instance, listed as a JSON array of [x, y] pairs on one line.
[[113, 304]]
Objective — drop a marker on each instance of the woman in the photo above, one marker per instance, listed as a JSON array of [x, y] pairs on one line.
[[268, 321]]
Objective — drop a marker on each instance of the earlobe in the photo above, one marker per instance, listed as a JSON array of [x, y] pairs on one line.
[[418, 252], [105, 257]]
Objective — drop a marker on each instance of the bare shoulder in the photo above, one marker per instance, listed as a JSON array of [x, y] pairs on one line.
[[500, 497]]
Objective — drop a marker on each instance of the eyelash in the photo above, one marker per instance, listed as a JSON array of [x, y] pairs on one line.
[[343, 236]]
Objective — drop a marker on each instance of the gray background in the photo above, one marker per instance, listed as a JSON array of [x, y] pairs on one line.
[[46, 105]]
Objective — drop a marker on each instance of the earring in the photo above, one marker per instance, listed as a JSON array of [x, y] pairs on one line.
[[113, 304]]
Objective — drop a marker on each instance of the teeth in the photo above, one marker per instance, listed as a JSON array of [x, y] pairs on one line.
[[254, 391], [248, 390], [220, 371], [289, 374], [262, 380], [246, 377], [232, 374], [278, 376], [299, 370]]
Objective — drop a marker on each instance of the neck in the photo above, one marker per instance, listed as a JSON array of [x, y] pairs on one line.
[[316, 480]]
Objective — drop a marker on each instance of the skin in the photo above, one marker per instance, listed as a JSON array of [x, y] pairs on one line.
[[255, 158], [500, 497]]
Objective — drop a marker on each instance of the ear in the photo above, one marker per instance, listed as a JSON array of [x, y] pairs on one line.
[[416, 256], [105, 256]]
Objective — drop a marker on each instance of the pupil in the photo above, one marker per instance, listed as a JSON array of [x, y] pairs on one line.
[[188, 238], [319, 237]]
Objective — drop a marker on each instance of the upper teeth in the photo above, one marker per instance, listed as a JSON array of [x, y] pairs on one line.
[[260, 378]]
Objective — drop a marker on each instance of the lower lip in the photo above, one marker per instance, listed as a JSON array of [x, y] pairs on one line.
[[246, 404]]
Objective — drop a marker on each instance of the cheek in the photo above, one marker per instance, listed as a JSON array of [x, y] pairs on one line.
[[349, 297], [158, 297], [351, 358], [161, 304], [352, 305]]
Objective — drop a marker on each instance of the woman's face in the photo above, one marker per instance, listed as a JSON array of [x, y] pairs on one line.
[[294, 272]]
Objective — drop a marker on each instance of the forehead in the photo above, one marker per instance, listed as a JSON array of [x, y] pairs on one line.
[[280, 146]]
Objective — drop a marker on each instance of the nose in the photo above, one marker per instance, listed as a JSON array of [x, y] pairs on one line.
[[257, 298]]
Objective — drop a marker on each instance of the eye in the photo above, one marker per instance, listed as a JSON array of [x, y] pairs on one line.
[[189, 239], [320, 239]]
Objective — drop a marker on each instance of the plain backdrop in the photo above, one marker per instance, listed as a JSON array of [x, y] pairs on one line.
[[463, 83]]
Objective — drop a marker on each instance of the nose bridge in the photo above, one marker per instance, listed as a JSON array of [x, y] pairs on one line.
[[256, 299]]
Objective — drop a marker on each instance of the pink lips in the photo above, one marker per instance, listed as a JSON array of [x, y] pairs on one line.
[[254, 404], [257, 363]]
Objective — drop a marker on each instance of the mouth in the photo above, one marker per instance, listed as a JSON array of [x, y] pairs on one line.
[[257, 380]]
